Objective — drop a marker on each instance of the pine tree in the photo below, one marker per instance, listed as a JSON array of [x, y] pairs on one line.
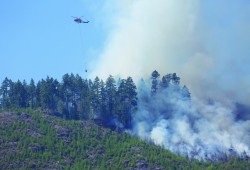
[[185, 93], [66, 94], [96, 96], [103, 100], [132, 101], [80, 95], [5, 93], [73, 99], [18, 95], [38, 95], [24, 95], [126, 101], [110, 89], [32, 93], [86, 104], [166, 81], [49, 93], [175, 79], [122, 104], [154, 77]]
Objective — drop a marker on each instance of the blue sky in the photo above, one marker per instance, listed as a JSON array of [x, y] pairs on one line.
[[40, 38]]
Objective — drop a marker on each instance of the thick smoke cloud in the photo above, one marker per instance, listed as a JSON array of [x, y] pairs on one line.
[[206, 44], [147, 37], [193, 128]]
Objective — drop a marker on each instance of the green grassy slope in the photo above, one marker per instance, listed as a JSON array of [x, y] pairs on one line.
[[33, 140]]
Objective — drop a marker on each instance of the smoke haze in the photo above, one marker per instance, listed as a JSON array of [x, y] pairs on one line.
[[196, 129], [206, 44]]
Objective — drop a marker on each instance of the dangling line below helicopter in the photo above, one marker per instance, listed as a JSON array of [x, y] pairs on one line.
[[79, 21]]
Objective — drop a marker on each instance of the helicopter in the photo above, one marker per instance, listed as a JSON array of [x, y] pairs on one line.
[[79, 20]]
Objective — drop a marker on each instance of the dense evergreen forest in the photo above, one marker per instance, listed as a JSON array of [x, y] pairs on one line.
[[52, 124], [74, 98], [34, 140], [112, 102]]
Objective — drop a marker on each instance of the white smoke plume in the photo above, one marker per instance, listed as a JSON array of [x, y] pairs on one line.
[[193, 128], [207, 45]]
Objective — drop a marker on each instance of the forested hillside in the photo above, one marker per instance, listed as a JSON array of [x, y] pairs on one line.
[[74, 98], [35, 140], [88, 123], [113, 102]]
